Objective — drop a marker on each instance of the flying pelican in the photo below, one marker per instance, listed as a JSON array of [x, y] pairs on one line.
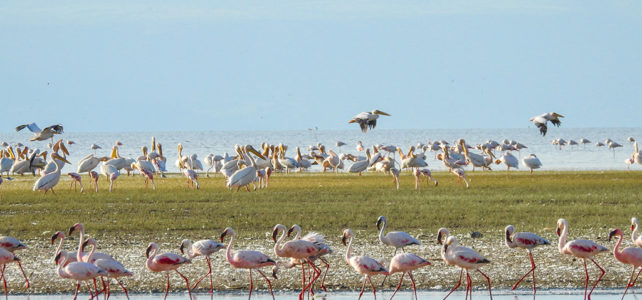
[[44, 134], [541, 121], [49, 181], [367, 119]]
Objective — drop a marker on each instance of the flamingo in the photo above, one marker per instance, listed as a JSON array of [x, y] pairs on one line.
[[367, 119], [61, 236], [94, 177], [637, 240], [362, 264], [112, 174], [423, 172], [629, 256], [524, 240], [465, 258], [192, 178], [6, 257], [263, 176], [113, 267], [406, 263], [395, 176], [79, 271], [201, 248], [461, 175], [296, 249], [75, 179], [248, 259], [12, 244], [49, 181], [583, 249], [319, 241], [396, 239], [83, 256], [166, 262]]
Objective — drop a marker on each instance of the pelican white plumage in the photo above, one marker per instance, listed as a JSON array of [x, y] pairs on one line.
[[541, 121], [303, 163], [531, 162], [49, 181], [509, 160], [361, 165], [367, 119], [245, 176], [6, 160], [89, 162]]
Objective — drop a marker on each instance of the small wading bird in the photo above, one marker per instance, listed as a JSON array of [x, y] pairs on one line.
[[367, 119], [541, 121], [629, 255], [524, 240], [201, 248], [8, 245], [406, 263], [583, 249], [166, 262], [41, 134], [113, 267]]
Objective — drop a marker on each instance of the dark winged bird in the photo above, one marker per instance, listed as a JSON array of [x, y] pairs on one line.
[[367, 119], [41, 134], [541, 121]]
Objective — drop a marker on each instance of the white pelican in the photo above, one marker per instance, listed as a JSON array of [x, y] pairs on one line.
[[303, 163], [287, 162], [361, 165], [209, 162], [56, 147], [449, 162], [111, 172], [180, 161], [41, 135], [637, 154], [541, 121], [264, 163], [478, 160], [367, 119], [117, 161], [6, 160], [531, 162], [333, 161], [584, 141], [49, 181], [509, 160], [90, 162], [245, 176]]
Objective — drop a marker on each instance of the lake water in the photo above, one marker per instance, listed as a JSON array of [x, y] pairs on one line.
[[588, 157], [499, 295]]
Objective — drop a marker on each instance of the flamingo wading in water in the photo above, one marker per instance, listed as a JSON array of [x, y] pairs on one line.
[[362, 264], [629, 255], [164, 263], [524, 240], [201, 248]]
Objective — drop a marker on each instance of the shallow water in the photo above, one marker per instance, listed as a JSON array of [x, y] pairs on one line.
[[499, 295], [588, 157]]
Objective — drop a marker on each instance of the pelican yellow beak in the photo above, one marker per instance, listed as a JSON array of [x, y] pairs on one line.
[[114, 152], [11, 153], [144, 148], [160, 149], [352, 121], [558, 115], [44, 155], [251, 149], [153, 144], [378, 112], [58, 157]]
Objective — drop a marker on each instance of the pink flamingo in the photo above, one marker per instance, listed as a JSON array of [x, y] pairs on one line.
[[94, 176], [71, 255], [12, 244], [6, 257], [637, 240], [583, 249], [148, 176], [460, 175], [463, 257], [319, 241], [192, 178], [406, 263], [362, 264], [0, 186], [164, 263], [264, 177], [296, 249], [248, 259], [629, 255], [112, 177], [75, 179], [113, 267], [81, 255], [79, 271], [201, 248], [423, 172], [395, 176], [524, 240]]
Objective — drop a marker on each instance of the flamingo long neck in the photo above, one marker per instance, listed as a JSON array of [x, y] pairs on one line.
[[298, 233], [189, 251], [510, 243], [59, 247], [228, 253], [562, 241], [634, 234], [616, 251], [278, 248], [59, 269], [383, 228], [91, 253], [151, 258], [348, 252], [80, 241]]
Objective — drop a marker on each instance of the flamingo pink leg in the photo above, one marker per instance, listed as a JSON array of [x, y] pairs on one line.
[[124, 289], [77, 288], [324, 274], [398, 285], [209, 264], [4, 282], [469, 288], [598, 279], [530, 254], [167, 287], [457, 285], [414, 287], [251, 285], [374, 291], [268, 281], [488, 281], [189, 291], [363, 286], [317, 273]]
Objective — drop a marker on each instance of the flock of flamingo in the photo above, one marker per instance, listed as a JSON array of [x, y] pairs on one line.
[[82, 266]]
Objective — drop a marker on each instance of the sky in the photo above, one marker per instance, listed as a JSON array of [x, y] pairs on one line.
[[111, 66]]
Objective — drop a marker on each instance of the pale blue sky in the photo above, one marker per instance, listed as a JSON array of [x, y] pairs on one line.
[[222, 65]]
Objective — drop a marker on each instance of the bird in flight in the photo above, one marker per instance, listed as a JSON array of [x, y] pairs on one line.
[[367, 119], [41, 134], [541, 121]]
